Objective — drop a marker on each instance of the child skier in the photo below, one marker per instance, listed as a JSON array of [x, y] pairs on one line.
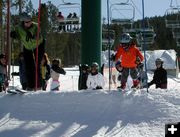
[[56, 70], [95, 79], [160, 75], [128, 52], [3, 73]]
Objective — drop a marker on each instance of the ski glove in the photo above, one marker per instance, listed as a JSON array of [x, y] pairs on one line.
[[29, 36], [13, 34], [113, 57]]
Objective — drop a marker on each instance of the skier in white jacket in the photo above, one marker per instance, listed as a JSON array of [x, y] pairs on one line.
[[95, 79]]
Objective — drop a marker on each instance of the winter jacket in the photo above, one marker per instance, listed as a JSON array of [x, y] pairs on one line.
[[27, 36], [128, 58], [55, 74], [95, 81], [45, 70], [159, 78], [56, 71]]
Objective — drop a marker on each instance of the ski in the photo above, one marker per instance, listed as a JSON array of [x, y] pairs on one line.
[[11, 91], [15, 90], [21, 91]]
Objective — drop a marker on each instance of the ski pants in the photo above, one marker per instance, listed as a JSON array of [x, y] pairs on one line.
[[126, 71], [30, 62]]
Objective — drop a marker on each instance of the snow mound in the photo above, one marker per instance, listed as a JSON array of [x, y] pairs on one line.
[[168, 56], [89, 113]]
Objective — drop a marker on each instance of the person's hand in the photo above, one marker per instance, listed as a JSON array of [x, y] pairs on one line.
[[112, 57], [29, 36]]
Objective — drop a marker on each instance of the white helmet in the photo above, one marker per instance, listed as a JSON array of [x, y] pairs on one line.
[[159, 61], [95, 65], [125, 38]]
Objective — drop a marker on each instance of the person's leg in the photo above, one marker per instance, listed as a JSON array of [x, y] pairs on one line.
[[133, 73], [30, 68], [43, 84], [124, 77], [24, 86], [164, 86]]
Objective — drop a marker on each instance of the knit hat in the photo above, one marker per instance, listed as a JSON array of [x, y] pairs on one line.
[[25, 17]]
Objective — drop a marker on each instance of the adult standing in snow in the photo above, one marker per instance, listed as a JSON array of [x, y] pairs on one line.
[[127, 53], [160, 75], [95, 79], [26, 32]]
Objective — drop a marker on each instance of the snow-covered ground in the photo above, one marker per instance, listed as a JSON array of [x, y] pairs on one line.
[[85, 113]]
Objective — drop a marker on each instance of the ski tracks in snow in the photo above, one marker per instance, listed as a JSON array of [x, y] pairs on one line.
[[5, 120]]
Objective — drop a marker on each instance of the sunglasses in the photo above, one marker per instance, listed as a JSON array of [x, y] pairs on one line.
[[27, 21], [158, 63]]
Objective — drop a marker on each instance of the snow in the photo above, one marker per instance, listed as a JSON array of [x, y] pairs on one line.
[[89, 113], [168, 56]]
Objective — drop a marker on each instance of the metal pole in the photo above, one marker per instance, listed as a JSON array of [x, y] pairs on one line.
[[91, 35], [109, 45], [37, 43], [144, 44]]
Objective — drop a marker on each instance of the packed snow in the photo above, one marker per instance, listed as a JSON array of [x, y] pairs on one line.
[[89, 113]]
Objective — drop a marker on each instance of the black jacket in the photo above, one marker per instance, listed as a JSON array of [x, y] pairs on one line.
[[58, 69], [159, 78]]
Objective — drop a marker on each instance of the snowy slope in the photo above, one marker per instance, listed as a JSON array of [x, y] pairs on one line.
[[103, 113]]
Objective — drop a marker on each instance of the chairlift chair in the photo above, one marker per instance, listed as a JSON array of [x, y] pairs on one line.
[[172, 23], [146, 36], [132, 32], [176, 33], [125, 13], [178, 42], [73, 21]]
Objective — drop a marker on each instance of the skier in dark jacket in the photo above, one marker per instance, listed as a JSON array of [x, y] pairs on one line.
[[84, 72], [26, 32], [160, 75]]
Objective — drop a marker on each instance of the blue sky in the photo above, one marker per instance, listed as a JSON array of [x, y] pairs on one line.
[[152, 7]]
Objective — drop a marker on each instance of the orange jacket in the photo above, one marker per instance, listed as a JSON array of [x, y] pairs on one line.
[[128, 58]]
